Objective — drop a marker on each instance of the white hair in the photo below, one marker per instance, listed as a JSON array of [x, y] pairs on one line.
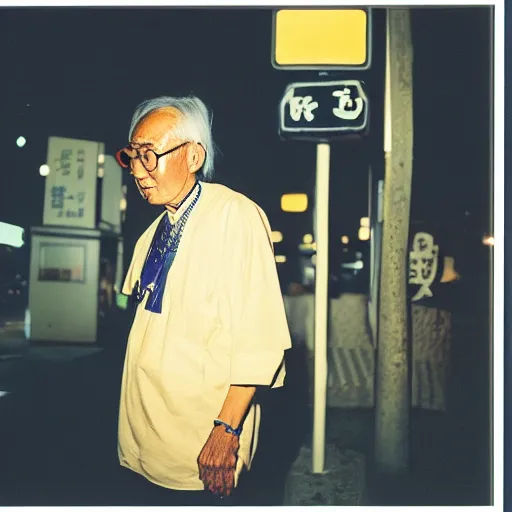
[[195, 126]]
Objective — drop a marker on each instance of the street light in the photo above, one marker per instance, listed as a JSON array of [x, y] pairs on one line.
[[21, 141], [44, 170], [345, 240]]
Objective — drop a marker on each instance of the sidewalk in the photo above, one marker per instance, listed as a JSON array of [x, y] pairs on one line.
[[58, 439], [58, 434], [58, 428], [342, 483]]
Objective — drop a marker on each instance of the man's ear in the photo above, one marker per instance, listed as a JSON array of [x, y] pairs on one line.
[[196, 157]]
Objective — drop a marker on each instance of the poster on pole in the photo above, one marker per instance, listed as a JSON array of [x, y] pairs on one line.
[[70, 189]]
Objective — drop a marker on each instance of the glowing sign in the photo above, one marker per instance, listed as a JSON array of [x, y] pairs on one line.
[[321, 39], [295, 203]]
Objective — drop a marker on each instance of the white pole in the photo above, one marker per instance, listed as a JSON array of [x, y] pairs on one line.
[[321, 304]]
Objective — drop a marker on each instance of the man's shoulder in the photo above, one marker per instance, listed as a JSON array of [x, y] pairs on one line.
[[225, 193], [232, 201]]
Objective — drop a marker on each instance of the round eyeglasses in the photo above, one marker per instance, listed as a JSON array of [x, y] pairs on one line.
[[148, 158]]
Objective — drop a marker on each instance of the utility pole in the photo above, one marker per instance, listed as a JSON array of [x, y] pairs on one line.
[[392, 376]]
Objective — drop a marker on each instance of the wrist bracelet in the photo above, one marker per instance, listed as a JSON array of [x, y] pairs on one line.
[[229, 428]]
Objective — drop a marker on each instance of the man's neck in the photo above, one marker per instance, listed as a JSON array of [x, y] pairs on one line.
[[181, 198]]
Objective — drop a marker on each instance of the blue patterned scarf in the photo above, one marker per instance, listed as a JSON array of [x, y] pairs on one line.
[[161, 257]]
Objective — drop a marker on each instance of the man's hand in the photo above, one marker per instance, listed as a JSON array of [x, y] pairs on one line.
[[217, 461]]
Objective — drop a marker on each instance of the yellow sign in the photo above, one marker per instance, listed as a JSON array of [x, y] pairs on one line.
[[321, 38]]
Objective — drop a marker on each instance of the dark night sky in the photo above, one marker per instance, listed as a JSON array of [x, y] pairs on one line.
[[82, 71]]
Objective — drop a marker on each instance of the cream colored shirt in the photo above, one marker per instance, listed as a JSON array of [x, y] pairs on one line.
[[223, 323]]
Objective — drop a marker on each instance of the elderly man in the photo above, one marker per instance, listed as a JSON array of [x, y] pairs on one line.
[[210, 325]]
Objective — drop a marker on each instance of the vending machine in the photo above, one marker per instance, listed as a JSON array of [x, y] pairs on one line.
[[74, 263]]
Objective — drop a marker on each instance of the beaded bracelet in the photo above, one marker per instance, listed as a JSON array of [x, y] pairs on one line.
[[229, 428]]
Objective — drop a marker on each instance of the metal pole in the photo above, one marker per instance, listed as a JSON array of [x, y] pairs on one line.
[[321, 304], [392, 382]]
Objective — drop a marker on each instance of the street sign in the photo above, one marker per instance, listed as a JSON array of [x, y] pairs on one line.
[[322, 39], [326, 109]]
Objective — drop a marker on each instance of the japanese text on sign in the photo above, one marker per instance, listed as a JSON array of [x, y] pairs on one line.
[[347, 108], [70, 192], [64, 162], [423, 263], [324, 107]]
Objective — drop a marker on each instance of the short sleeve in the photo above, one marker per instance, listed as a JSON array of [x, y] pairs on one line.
[[258, 323]]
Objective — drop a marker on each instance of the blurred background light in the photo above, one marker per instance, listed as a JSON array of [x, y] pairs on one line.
[[488, 240], [11, 235], [277, 237], [364, 233], [294, 203]]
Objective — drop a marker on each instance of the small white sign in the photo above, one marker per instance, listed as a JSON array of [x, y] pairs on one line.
[[423, 263], [70, 191]]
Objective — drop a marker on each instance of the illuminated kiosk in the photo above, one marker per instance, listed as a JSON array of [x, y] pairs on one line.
[[76, 256]]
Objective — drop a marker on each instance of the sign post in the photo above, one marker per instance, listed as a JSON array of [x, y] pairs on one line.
[[319, 111], [321, 303], [322, 40]]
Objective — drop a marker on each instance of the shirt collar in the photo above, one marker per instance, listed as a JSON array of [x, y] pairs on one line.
[[174, 217]]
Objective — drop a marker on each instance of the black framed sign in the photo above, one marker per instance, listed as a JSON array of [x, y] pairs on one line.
[[324, 108]]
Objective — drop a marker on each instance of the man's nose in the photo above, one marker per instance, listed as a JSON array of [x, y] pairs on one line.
[[138, 170]]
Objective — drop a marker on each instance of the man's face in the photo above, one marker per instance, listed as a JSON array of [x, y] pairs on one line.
[[166, 183]]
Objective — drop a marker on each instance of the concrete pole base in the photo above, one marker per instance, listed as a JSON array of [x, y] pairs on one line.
[[342, 483]]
